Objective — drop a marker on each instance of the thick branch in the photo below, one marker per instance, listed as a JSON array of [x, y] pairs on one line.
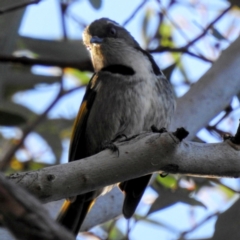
[[211, 94], [15, 7], [146, 154], [24, 215]]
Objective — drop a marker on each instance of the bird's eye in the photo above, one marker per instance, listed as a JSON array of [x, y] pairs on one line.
[[112, 31]]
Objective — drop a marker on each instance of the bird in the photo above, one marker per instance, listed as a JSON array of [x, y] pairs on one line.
[[127, 94]]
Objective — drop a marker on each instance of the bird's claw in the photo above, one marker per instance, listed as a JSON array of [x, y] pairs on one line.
[[156, 130], [111, 146]]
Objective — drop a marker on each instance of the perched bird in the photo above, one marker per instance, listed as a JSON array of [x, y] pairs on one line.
[[126, 95]]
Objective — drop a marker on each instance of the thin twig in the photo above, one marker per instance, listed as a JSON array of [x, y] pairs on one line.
[[228, 110], [199, 224], [184, 49], [18, 6], [77, 19], [63, 21], [181, 50], [218, 132], [181, 32], [84, 65], [14, 147], [134, 13], [207, 28]]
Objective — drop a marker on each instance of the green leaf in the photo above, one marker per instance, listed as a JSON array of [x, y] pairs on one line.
[[114, 233], [96, 3], [166, 32], [32, 165], [11, 119], [228, 192], [168, 181], [83, 77], [21, 166], [166, 39]]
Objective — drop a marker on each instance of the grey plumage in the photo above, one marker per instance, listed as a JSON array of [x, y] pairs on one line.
[[127, 95]]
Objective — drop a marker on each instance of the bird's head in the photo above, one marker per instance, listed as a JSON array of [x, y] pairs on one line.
[[108, 43]]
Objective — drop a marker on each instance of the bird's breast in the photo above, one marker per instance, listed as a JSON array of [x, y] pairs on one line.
[[126, 105]]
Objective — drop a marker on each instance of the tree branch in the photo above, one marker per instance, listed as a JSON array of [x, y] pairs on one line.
[[18, 6], [204, 32], [25, 217], [145, 154], [84, 65], [9, 152], [211, 94], [135, 12], [185, 50]]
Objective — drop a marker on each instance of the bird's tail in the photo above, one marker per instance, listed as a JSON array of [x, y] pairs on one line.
[[133, 190], [72, 214]]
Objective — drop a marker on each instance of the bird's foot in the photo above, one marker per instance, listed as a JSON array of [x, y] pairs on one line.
[[129, 138], [119, 137], [111, 146], [156, 130]]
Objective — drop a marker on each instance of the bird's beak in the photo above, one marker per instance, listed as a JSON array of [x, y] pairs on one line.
[[96, 39]]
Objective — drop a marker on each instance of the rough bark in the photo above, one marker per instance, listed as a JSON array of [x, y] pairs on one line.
[[147, 153], [24, 216]]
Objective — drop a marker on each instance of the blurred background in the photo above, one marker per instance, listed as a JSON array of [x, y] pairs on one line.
[[41, 92]]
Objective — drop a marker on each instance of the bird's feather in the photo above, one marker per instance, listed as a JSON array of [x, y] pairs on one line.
[[73, 211], [133, 189]]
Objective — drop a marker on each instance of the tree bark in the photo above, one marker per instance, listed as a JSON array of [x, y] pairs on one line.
[[24, 216], [147, 153]]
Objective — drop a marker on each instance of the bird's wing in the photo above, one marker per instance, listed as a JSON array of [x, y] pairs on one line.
[[73, 212], [77, 148]]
